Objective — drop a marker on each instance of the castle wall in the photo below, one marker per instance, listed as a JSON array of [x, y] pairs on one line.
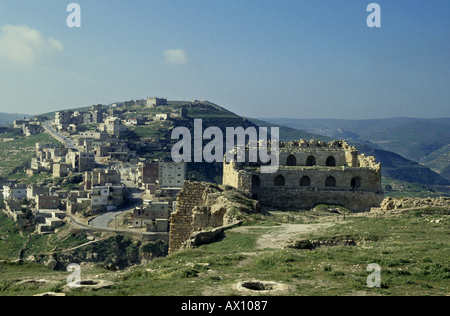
[[368, 179], [347, 178], [307, 198], [301, 155], [180, 221], [238, 179], [198, 206]]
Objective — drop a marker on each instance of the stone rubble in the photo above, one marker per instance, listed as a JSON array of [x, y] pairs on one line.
[[389, 203]]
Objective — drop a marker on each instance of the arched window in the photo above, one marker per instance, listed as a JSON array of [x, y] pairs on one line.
[[330, 182], [311, 161], [331, 162], [291, 161], [355, 183], [256, 182], [305, 181], [279, 181]]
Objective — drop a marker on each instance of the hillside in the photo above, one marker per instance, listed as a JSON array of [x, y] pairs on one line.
[[310, 253], [16, 155], [411, 138]]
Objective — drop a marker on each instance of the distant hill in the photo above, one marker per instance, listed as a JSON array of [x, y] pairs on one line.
[[9, 118]]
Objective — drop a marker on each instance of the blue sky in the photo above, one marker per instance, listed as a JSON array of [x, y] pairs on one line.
[[280, 58]]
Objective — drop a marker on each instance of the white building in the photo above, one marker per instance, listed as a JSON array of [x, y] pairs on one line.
[[18, 192], [113, 126], [172, 174], [100, 196], [154, 217], [161, 116]]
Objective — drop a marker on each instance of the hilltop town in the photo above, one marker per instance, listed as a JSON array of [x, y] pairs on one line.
[[98, 150]]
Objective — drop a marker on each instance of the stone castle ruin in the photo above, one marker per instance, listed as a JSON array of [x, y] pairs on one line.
[[310, 173], [201, 205]]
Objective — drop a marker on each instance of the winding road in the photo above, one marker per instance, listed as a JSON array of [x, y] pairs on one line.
[[103, 220]]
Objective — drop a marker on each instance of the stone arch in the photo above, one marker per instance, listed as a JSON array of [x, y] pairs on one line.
[[355, 182], [311, 161], [331, 162], [279, 180], [256, 182], [291, 160], [305, 181], [330, 182]]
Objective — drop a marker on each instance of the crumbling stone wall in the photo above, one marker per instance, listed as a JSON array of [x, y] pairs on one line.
[[199, 205]]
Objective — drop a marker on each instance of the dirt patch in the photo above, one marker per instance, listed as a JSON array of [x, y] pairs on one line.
[[277, 236]]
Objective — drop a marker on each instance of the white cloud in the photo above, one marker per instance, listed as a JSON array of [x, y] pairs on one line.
[[24, 45], [175, 56]]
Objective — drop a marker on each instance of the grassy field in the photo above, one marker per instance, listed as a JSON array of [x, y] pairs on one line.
[[156, 129], [11, 240], [18, 153], [411, 250]]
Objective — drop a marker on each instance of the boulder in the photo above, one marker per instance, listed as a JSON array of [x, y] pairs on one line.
[[388, 204], [51, 263]]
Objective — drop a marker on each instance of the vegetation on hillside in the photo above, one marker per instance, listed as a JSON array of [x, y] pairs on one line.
[[410, 248], [15, 156]]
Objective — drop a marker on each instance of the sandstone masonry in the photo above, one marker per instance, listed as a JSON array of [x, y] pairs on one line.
[[311, 173], [198, 206]]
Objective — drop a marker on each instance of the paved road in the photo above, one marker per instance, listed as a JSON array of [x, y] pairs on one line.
[[67, 141], [103, 220]]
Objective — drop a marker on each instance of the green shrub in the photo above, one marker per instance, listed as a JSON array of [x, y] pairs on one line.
[[274, 259]]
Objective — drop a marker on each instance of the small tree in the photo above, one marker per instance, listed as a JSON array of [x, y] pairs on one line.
[[388, 188], [28, 214]]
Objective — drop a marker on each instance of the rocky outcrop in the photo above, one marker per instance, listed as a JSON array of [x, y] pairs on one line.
[[313, 244], [51, 263], [115, 252], [205, 236], [389, 203]]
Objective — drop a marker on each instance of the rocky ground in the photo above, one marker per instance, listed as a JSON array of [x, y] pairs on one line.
[[390, 203]]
